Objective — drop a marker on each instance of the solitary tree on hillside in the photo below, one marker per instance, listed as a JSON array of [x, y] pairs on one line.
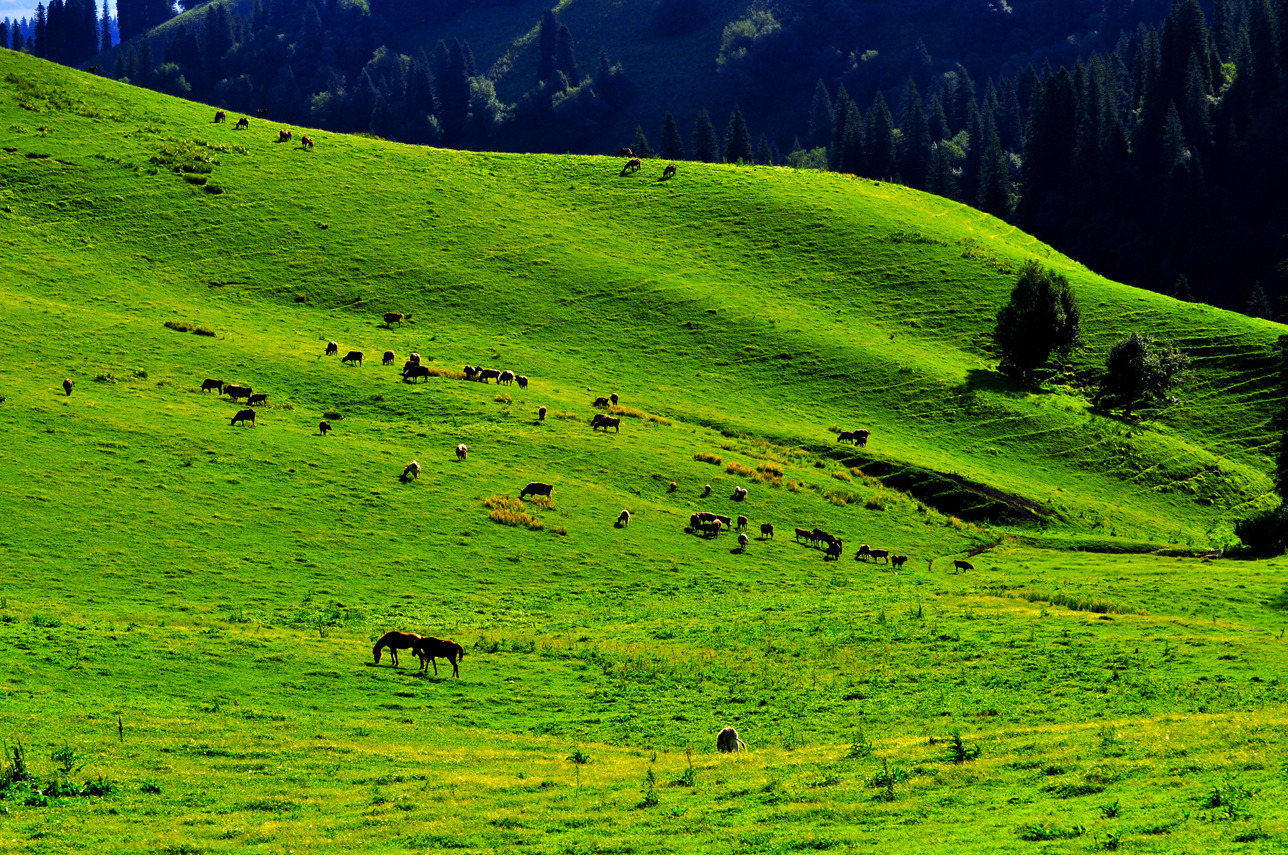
[[1140, 374], [1041, 318]]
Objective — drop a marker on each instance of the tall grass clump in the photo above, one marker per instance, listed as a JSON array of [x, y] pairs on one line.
[[707, 457], [510, 511]]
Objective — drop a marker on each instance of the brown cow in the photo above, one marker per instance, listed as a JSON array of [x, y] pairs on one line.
[[220, 116], [352, 357], [209, 383], [536, 488], [461, 451], [506, 377], [897, 561], [541, 414], [624, 152], [242, 416], [411, 372], [963, 565], [67, 386], [522, 380], [306, 142], [283, 136], [258, 398], [388, 358], [243, 123], [767, 530], [486, 374], [706, 492], [606, 422], [599, 402], [392, 318], [323, 427], [727, 740], [235, 391], [668, 172], [332, 348], [742, 521]]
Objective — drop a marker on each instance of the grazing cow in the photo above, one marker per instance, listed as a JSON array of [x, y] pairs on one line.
[[804, 533], [624, 518], [742, 541], [606, 422], [739, 494], [536, 488], [669, 172], [726, 521], [861, 437], [332, 348], [897, 561], [392, 318], [522, 380], [624, 152], [352, 357], [411, 372], [834, 550], [461, 451], [209, 383], [262, 113], [306, 142], [258, 398], [727, 740], [93, 69], [672, 488], [506, 377], [845, 436], [243, 416], [412, 469], [283, 136], [323, 427], [963, 565], [235, 391], [613, 398], [694, 522], [742, 521], [67, 386], [706, 492], [767, 530], [413, 358], [243, 123], [220, 116], [470, 372], [599, 402], [821, 536], [712, 528], [883, 554], [486, 374], [541, 414], [865, 551], [632, 165], [388, 358]]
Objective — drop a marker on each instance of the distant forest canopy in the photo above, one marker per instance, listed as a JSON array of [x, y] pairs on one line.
[[1138, 137]]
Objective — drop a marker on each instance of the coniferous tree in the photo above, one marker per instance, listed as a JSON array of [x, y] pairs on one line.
[[1181, 289], [41, 34], [546, 45], [994, 179], [565, 59], [105, 30], [454, 94], [820, 117], [1258, 303], [672, 142], [641, 146], [706, 146], [737, 143], [914, 138], [882, 157], [841, 116], [4, 33]]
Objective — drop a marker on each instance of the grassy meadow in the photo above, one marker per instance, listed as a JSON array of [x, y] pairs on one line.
[[187, 608]]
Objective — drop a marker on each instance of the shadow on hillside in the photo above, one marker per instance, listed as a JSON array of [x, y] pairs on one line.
[[981, 380]]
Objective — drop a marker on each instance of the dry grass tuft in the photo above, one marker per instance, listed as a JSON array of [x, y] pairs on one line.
[[706, 457], [507, 510]]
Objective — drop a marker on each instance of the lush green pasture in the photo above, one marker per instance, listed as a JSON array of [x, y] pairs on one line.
[[187, 608]]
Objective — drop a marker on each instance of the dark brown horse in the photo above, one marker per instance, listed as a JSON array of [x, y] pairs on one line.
[[431, 649], [396, 641]]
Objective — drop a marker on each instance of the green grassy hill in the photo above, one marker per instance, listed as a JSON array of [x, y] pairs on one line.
[[188, 607]]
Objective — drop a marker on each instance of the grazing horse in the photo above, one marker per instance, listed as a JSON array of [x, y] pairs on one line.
[[389, 358], [396, 641], [632, 165], [624, 152], [284, 136], [306, 142], [429, 649], [220, 116], [262, 113], [669, 172], [243, 123]]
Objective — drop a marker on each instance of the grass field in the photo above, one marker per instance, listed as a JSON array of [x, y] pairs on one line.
[[187, 608]]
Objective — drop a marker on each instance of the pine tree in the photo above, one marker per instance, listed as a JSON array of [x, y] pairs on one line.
[[4, 33], [1181, 289], [641, 146], [882, 157], [706, 146], [995, 179], [672, 142], [737, 143], [914, 138], [41, 34], [546, 45], [1258, 303], [820, 117], [565, 59], [105, 30], [841, 111]]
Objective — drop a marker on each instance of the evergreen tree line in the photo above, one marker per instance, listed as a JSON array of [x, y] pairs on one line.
[[67, 31], [1152, 163], [19, 35]]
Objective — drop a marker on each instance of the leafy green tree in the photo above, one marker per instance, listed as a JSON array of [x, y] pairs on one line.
[[672, 142], [1140, 374], [1041, 318], [737, 146]]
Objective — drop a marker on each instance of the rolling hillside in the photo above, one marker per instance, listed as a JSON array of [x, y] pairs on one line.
[[190, 606]]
